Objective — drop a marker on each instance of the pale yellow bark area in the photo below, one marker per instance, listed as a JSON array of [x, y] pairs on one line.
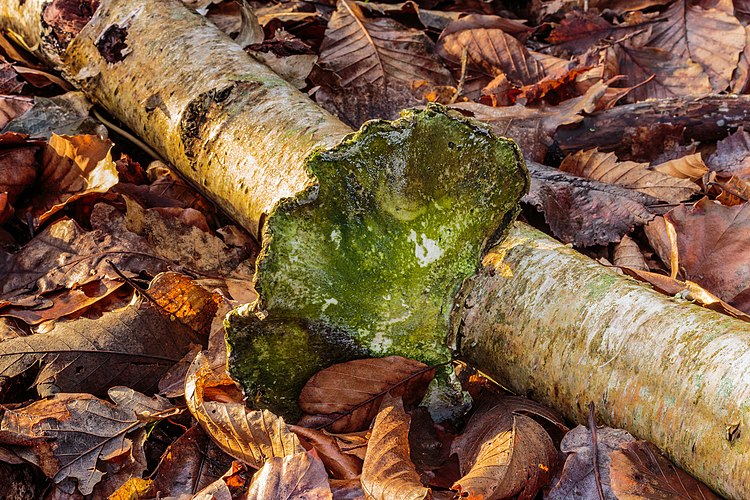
[[239, 132], [552, 324]]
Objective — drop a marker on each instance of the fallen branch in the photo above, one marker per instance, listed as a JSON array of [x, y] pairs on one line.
[[708, 118], [543, 319]]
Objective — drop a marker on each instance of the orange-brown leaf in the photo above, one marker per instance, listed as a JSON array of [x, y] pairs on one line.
[[638, 470], [388, 472], [301, 475], [355, 389]]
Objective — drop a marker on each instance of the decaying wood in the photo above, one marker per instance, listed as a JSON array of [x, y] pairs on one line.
[[708, 118], [543, 319]]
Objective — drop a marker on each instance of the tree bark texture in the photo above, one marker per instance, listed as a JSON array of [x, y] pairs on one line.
[[542, 319], [554, 325], [708, 118], [233, 128]]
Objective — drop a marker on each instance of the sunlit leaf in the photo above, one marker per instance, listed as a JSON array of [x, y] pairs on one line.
[[388, 471], [301, 475]]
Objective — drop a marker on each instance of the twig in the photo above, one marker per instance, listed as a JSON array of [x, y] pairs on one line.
[[138, 288], [462, 79], [592, 426]]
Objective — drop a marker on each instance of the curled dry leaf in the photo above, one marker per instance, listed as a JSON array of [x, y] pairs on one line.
[[586, 212], [689, 167], [577, 478], [628, 254], [248, 435], [605, 167], [732, 155], [133, 346], [12, 106], [59, 433], [191, 463], [72, 167], [638, 470], [301, 475], [688, 32], [388, 471], [712, 242], [341, 465], [504, 453], [352, 392]]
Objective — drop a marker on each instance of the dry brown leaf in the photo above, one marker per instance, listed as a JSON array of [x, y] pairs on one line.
[[59, 432], [388, 471], [577, 477], [605, 167], [191, 463], [689, 167], [134, 488], [712, 243], [72, 166], [341, 465], [301, 476], [10, 81], [13, 106], [740, 83], [578, 31], [63, 255], [672, 76], [638, 471], [18, 167], [354, 390], [375, 62], [490, 48], [689, 33], [586, 212], [132, 346], [732, 191], [627, 254], [504, 453], [248, 435], [732, 155], [165, 189]]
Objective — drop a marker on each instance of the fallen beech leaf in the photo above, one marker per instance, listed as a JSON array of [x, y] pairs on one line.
[[740, 83], [301, 475], [688, 31], [12, 106], [712, 242], [248, 435], [579, 31], [10, 81], [59, 432], [341, 465], [349, 489], [503, 452], [65, 302], [577, 477], [354, 390], [490, 48], [605, 167], [732, 155], [72, 166], [388, 471], [191, 463], [376, 59], [672, 76], [732, 191], [132, 346], [586, 212], [134, 489], [687, 167], [66, 256], [165, 189], [628, 254], [638, 470]]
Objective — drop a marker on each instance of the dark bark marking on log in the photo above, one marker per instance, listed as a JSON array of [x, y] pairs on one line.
[[197, 114], [64, 19], [111, 44]]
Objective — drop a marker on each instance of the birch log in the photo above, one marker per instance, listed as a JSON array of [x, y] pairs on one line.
[[542, 319]]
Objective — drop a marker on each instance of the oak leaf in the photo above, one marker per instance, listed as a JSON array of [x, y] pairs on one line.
[[388, 471]]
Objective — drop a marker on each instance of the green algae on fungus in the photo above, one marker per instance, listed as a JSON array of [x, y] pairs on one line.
[[380, 244]]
